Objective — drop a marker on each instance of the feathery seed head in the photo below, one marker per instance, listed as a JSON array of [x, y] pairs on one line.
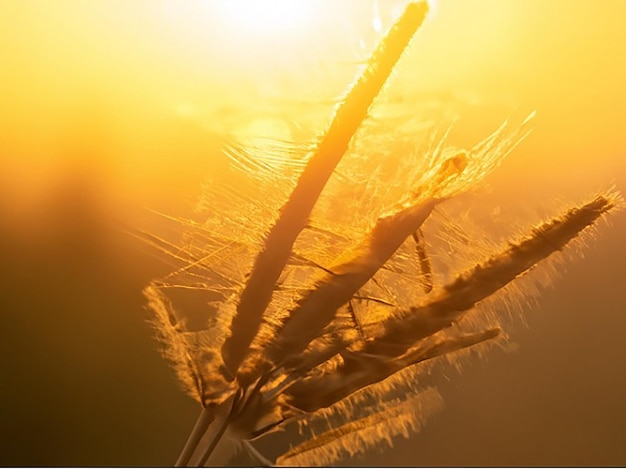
[[318, 301]]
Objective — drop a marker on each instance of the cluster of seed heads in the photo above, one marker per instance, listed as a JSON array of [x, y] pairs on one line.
[[306, 321]]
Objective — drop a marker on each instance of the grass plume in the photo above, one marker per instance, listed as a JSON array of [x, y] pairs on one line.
[[335, 322]]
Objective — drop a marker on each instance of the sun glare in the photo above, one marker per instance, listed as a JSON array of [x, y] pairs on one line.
[[263, 16]]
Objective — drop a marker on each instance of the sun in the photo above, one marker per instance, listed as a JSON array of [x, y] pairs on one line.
[[267, 17]]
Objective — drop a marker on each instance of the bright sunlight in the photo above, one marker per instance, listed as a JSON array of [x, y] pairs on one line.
[[263, 16]]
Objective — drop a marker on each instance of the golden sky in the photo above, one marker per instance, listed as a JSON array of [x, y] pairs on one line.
[[110, 107]]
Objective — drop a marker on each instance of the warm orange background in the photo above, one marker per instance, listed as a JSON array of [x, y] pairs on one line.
[[111, 107]]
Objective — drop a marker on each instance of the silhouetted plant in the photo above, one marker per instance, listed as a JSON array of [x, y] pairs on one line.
[[328, 316]]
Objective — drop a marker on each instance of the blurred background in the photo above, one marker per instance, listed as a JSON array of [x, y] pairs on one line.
[[110, 110]]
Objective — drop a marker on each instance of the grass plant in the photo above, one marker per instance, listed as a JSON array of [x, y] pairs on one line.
[[314, 321]]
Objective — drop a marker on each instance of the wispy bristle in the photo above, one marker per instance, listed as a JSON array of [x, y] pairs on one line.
[[397, 418], [176, 349]]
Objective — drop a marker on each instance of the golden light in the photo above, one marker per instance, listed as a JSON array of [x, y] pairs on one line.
[[113, 107], [265, 129], [433, 6], [263, 16]]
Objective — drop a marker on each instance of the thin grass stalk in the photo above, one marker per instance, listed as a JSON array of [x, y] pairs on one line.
[[256, 455], [360, 371], [206, 454], [446, 346], [202, 424], [215, 440], [294, 215]]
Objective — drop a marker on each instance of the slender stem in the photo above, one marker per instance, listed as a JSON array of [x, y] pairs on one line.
[[209, 450], [220, 433], [202, 424], [256, 455]]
